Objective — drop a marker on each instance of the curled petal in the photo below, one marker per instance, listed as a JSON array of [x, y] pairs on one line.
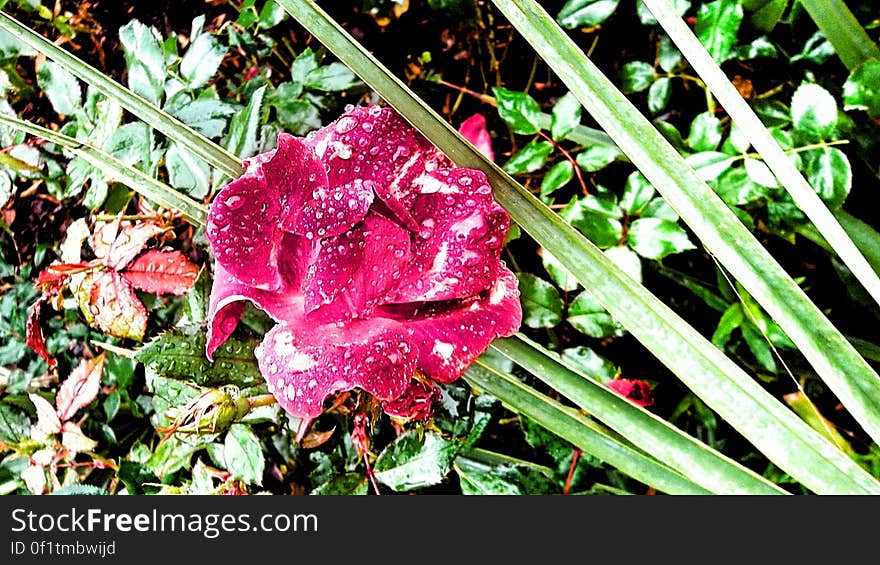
[[450, 336], [332, 212], [227, 305], [304, 364], [354, 270], [376, 144], [461, 233]]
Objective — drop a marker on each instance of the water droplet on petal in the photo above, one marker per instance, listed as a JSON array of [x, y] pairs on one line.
[[234, 202], [345, 124]]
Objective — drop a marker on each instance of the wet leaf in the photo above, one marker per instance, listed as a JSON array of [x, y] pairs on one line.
[[542, 306], [61, 87], [557, 177], [654, 238], [344, 484], [597, 157], [861, 91], [243, 454], [80, 388], [162, 272], [705, 133], [504, 478], [565, 117], [530, 158], [636, 76], [813, 111], [577, 13], [587, 316], [415, 460], [590, 363], [519, 110], [717, 27], [830, 173], [180, 354]]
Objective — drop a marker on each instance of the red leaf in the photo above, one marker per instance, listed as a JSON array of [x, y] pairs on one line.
[[34, 331], [80, 388], [109, 303], [117, 243], [162, 272]]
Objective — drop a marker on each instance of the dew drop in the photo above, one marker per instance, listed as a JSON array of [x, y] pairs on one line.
[[234, 202], [345, 124]]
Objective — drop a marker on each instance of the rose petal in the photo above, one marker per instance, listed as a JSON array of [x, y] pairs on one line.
[[243, 230], [248, 217], [461, 233], [636, 391], [474, 130], [450, 336], [375, 144], [228, 295], [333, 211], [304, 364], [354, 270]]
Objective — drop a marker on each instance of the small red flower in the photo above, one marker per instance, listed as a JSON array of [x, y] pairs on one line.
[[636, 391]]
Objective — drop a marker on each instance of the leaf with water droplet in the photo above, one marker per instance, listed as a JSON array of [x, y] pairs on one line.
[[415, 460], [180, 354]]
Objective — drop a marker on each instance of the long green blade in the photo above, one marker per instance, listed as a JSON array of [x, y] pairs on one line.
[[782, 166], [579, 430], [838, 24], [198, 144], [837, 362], [690, 457], [771, 427], [116, 170]]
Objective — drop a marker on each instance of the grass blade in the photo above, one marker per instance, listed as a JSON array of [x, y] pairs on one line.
[[690, 457], [176, 130], [115, 169], [782, 166], [837, 362], [771, 427], [579, 430], [838, 24]]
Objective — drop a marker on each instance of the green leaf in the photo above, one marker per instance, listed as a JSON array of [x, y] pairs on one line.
[[205, 115], [599, 224], [14, 425], [506, 477], [627, 260], [414, 460], [597, 157], [813, 111], [201, 61], [654, 238], [767, 16], [304, 63], [194, 310], [587, 316], [180, 354], [658, 94], [295, 115], [130, 143], [731, 319], [759, 347], [736, 188], [648, 19], [636, 76], [637, 192], [243, 454], [816, 49], [187, 173], [705, 133], [530, 158], [61, 87], [518, 110], [830, 173], [334, 77], [344, 484], [861, 91], [760, 173], [717, 27], [590, 363], [145, 60], [560, 275], [542, 306], [566, 116], [557, 177], [588, 13], [709, 165], [668, 55]]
